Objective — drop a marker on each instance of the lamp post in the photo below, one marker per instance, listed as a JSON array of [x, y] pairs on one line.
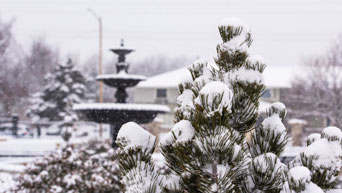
[[99, 19]]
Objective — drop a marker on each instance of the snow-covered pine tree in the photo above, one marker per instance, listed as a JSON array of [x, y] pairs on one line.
[[65, 87], [323, 158], [136, 166], [207, 149], [265, 172], [300, 181], [218, 106]]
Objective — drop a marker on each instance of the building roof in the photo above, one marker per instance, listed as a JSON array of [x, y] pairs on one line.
[[275, 76]]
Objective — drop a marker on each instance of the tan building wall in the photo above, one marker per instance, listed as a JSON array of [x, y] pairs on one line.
[[149, 95]]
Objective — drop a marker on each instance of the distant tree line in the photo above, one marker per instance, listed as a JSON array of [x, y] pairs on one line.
[[318, 90]]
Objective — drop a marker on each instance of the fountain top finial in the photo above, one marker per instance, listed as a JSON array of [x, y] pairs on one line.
[[121, 51], [122, 42]]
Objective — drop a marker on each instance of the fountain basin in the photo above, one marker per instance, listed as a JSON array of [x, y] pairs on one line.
[[117, 113], [121, 50], [121, 79]]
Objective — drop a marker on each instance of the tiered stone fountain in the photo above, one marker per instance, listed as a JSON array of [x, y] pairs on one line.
[[117, 114]]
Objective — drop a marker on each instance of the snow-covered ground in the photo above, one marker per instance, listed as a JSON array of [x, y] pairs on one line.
[[15, 153], [6, 181]]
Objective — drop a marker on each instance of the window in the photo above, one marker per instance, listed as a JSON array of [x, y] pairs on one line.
[[266, 94], [161, 93]]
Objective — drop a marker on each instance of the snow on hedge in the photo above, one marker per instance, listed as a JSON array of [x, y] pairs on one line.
[[135, 136]]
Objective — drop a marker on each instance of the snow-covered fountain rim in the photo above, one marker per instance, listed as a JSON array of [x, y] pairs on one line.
[[122, 48], [120, 76], [121, 106]]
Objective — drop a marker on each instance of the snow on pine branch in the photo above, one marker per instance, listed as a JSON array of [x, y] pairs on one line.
[[215, 97], [134, 136], [246, 75], [181, 132], [239, 36]]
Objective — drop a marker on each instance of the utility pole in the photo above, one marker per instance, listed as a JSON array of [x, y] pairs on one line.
[[99, 19]]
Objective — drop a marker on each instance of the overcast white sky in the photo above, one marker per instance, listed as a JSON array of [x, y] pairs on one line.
[[284, 31]]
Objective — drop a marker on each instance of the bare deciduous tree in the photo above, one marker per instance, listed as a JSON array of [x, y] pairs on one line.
[[318, 91], [158, 64], [11, 85], [41, 60]]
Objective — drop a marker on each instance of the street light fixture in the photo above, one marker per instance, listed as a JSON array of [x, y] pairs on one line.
[[99, 19]]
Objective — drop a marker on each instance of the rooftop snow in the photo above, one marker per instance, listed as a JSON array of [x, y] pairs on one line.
[[122, 106], [274, 76]]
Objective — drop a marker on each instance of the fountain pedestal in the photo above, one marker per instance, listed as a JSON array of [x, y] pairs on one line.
[[117, 114]]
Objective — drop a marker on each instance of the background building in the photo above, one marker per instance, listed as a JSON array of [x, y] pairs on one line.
[[163, 89]]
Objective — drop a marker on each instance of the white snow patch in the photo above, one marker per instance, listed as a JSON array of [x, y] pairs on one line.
[[136, 136], [212, 91], [167, 139], [312, 188], [185, 99], [172, 182], [64, 88], [274, 124], [168, 79], [56, 189], [238, 42], [71, 179], [263, 163], [334, 191], [246, 75], [67, 119], [201, 81], [314, 137], [182, 131], [235, 44], [332, 133], [279, 107], [300, 173], [256, 59], [329, 153]]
